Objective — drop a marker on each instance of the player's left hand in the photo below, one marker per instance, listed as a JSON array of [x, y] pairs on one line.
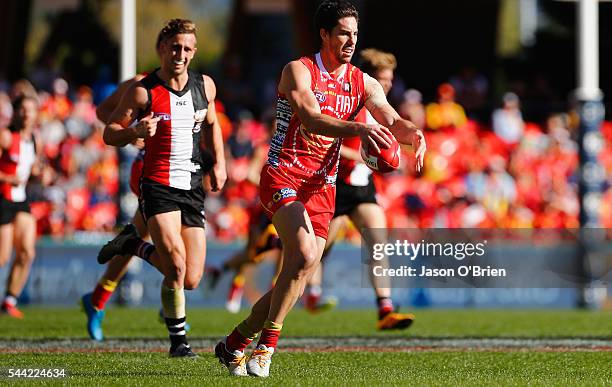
[[417, 139], [218, 176]]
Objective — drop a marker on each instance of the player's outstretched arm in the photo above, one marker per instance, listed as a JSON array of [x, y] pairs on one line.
[[295, 85], [404, 131], [118, 131], [213, 139], [110, 103]]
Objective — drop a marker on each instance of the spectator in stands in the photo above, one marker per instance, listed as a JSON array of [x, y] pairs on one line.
[[472, 89], [241, 142], [446, 112], [508, 121], [58, 105]]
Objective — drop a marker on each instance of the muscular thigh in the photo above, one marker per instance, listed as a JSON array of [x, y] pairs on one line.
[[370, 220], [165, 230], [293, 225]]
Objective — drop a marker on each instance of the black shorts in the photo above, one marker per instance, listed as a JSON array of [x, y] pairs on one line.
[[9, 210], [156, 198], [348, 197]]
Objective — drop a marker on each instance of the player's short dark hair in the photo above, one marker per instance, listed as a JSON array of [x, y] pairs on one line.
[[174, 27], [330, 11]]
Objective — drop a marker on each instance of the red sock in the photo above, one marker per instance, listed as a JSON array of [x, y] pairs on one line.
[[385, 306], [101, 294], [270, 334], [236, 341]]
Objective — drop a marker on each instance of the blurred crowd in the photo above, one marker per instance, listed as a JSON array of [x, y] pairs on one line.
[[483, 168]]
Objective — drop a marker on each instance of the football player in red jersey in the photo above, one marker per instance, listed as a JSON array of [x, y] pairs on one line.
[[319, 97], [19, 152], [174, 107], [356, 199]]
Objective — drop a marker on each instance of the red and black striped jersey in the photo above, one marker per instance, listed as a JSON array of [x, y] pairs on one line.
[[172, 157], [17, 161]]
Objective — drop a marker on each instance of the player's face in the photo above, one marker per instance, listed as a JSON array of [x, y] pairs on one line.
[[385, 77], [177, 52], [342, 39], [27, 113]]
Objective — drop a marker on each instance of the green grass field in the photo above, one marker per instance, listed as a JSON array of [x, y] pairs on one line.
[[56, 338]]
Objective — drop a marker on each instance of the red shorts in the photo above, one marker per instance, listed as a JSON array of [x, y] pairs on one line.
[[276, 190], [135, 175]]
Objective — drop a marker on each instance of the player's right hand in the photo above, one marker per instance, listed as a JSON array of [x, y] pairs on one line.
[[376, 136], [139, 143], [147, 126]]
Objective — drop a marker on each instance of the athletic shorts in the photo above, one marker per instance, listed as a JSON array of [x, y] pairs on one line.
[[156, 198], [348, 197], [9, 210], [276, 190], [135, 174]]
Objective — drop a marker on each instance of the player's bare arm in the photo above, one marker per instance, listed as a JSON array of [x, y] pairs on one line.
[[40, 169], [295, 85], [106, 107], [255, 164], [6, 139], [350, 154], [118, 132], [404, 131], [213, 139]]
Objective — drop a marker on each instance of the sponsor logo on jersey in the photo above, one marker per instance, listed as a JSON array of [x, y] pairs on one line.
[[283, 193], [200, 115], [346, 87], [163, 116], [321, 97]]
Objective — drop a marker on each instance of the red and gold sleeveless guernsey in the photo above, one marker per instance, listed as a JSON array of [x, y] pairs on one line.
[[301, 165], [172, 157], [17, 161]]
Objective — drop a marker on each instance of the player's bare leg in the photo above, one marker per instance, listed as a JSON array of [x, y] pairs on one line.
[[302, 252], [24, 239], [314, 289], [170, 254], [370, 219], [94, 303], [195, 255], [6, 243]]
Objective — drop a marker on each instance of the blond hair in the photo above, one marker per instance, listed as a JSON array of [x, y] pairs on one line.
[[372, 61], [174, 27]]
